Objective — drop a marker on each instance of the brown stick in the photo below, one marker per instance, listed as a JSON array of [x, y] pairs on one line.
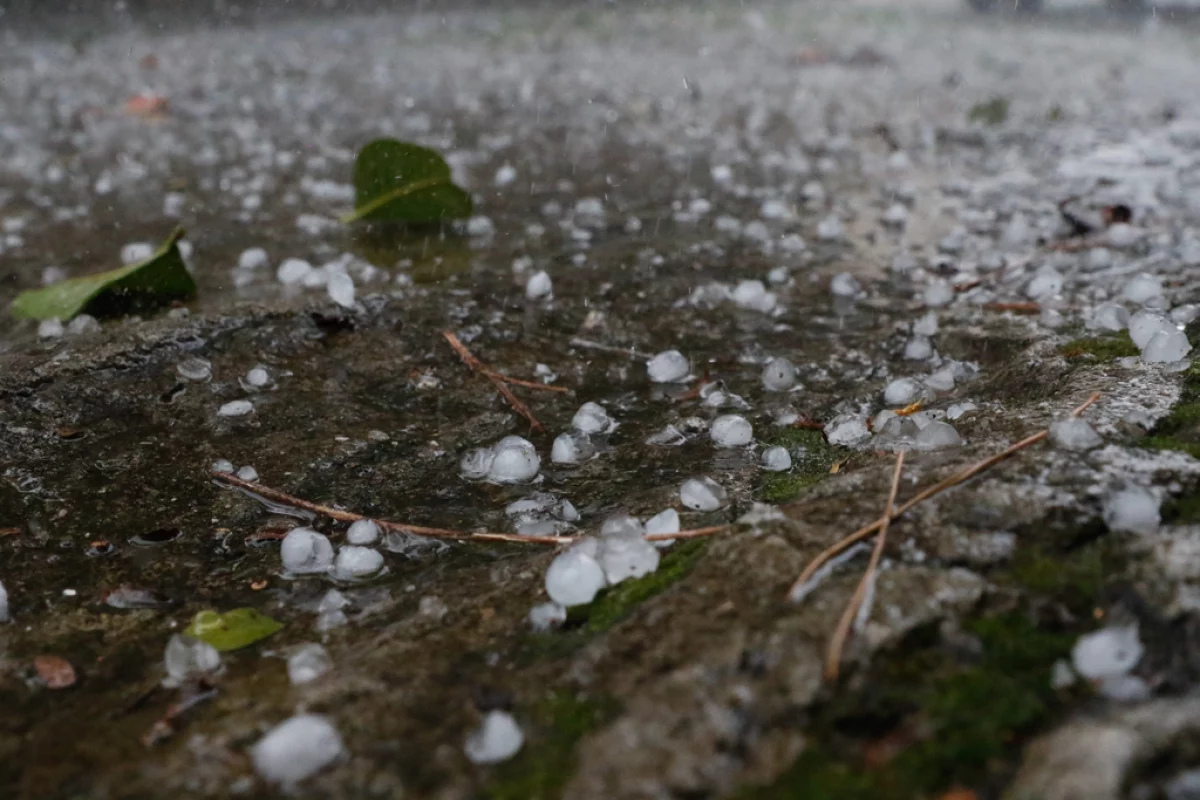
[[695, 533], [937, 488], [1019, 308], [833, 658], [474, 363]]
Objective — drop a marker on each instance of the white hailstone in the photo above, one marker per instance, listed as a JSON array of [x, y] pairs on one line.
[[790, 243], [1184, 314], [941, 380], [901, 392], [776, 459], [248, 474], [514, 460], [505, 175], [829, 229], [845, 285], [50, 329], [546, 616], [937, 436], [730, 430], [573, 447], [590, 209], [362, 531], [903, 261], [480, 226], [1122, 234], [591, 418], [305, 551], [847, 430], [774, 209], [813, 192], [236, 408], [1142, 289], [498, 739], [624, 557], [896, 215], [927, 325], [622, 525], [307, 663], [778, 375], [1098, 258], [753, 295], [1074, 434], [1061, 675], [329, 610], [186, 658], [1051, 318], [938, 294], [194, 369], [340, 288], [293, 271], [669, 366], [574, 577], [1166, 347], [222, 465], [297, 748], [136, 252], [1126, 689], [256, 378], [918, 348], [1109, 317], [3, 603], [721, 173], [669, 436], [1047, 283], [253, 258], [1144, 324], [476, 463], [1132, 510], [539, 286], [663, 522], [1107, 653], [355, 562], [83, 324], [959, 410], [702, 494]]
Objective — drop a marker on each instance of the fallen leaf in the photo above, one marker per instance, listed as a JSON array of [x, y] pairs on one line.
[[9, 531], [397, 181], [909, 409], [55, 672], [993, 112], [125, 597], [147, 105], [837, 466], [232, 630], [958, 794], [67, 432], [154, 282], [258, 586]]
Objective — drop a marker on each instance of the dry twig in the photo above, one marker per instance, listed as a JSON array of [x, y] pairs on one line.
[[500, 381]]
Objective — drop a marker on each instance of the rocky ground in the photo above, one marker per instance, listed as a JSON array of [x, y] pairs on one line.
[[873, 191]]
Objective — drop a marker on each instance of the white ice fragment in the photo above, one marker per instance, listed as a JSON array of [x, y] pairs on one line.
[[329, 610], [340, 287], [1132, 510], [50, 329], [1046, 283], [702, 494], [773, 208], [236, 408], [136, 252], [476, 463], [545, 616], [572, 447], [941, 380], [1074, 434], [1143, 288], [1166, 347], [1124, 689], [354, 562], [432, 607], [669, 366], [1107, 653], [847, 430], [918, 348], [83, 324], [776, 459], [539, 286], [592, 418], [1144, 324], [1061, 675], [222, 465], [845, 285], [829, 229], [305, 551], [1109, 317], [669, 436], [293, 271], [901, 392], [937, 436], [1122, 234], [1182, 315], [903, 261], [778, 375], [896, 215], [3, 603], [248, 474], [514, 461], [307, 663], [480, 227], [505, 175], [663, 522], [574, 577], [257, 378], [938, 294], [497, 739], [195, 369], [959, 410], [731, 430], [362, 532], [625, 557], [927, 325], [186, 658], [622, 525], [753, 295], [253, 258], [297, 748]]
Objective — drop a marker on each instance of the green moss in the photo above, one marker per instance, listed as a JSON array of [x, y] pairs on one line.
[[1075, 580], [542, 768], [993, 112], [1101, 348], [812, 457], [1180, 430]]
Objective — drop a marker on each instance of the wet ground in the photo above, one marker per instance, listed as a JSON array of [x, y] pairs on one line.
[[644, 157]]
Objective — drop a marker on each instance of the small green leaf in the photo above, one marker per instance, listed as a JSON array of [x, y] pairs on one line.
[[148, 284], [232, 630], [401, 182], [993, 112]]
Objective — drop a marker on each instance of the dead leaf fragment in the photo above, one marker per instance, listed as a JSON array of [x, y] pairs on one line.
[[55, 672], [147, 105]]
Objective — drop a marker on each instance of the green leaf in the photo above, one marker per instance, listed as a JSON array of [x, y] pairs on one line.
[[151, 283], [232, 630], [993, 112], [401, 182]]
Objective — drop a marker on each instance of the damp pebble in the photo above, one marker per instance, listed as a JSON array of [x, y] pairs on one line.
[[592, 418], [362, 532], [546, 616], [1107, 653], [354, 562], [498, 739], [305, 551], [1074, 434], [574, 577], [235, 408], [194, 369], [514, 460], [731, 430], [778, 375], [1132, 510], [307, 663], [539, 286], [776, 459], [669, 366], [248, 474], [702, 494], [297, 748], [573, 447], [187, 658]]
